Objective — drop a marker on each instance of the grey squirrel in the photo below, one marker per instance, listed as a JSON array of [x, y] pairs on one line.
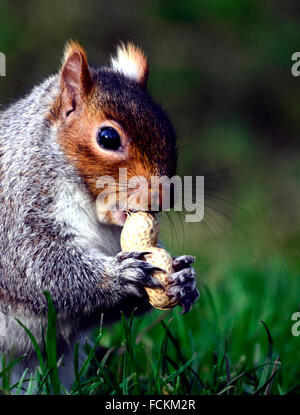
[[78, 125]]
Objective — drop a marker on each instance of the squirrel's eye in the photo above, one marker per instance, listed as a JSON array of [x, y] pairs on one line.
[[109, 138]]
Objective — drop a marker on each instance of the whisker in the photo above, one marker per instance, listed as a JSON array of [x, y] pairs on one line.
[[209, 214], [175, 231], [228, 202], [225, 169], [209, 229], [228, 218], [212, 189], [171, 227], [182, 228]]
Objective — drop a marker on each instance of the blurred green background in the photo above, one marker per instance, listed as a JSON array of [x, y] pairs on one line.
[[222, 70]]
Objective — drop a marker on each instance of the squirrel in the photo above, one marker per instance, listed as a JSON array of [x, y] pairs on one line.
[[74, 127]]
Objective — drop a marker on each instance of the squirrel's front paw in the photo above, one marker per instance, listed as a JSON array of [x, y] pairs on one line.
[[134, 273], [182, 283]]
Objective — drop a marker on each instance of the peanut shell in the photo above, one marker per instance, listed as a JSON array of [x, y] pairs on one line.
[[140, 233]]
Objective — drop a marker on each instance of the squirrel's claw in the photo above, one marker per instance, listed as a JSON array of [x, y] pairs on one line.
[[182, 286], [183, 261], [134, 273], [121, 256]]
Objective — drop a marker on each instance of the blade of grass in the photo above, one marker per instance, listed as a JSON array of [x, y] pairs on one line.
[[275, 367], [51, 345], [183, 379], [257, 392], [228, 376], [124, 384], [43, 381], [237, 377], [35, 345], [92, 352], [129, 351], [77, 378], [20, 383], [179, 371], [269, 356], [161, 357]]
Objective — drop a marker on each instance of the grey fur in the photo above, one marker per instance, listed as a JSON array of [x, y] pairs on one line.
[[51, 239]]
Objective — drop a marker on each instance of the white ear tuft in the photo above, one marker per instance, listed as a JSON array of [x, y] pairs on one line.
[[131, 62]]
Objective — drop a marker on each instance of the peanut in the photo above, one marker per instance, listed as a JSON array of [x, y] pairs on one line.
[[140, 233]]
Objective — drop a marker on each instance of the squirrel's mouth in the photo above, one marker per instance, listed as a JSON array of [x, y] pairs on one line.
[[119, 217]]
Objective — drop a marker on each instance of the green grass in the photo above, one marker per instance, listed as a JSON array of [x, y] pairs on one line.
[[220, 347], [236, 340]]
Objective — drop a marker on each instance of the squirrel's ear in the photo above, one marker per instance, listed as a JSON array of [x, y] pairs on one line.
[[75, 77], [132, 63]]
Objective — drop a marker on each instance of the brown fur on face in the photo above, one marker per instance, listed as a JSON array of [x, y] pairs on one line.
[[92, 97]]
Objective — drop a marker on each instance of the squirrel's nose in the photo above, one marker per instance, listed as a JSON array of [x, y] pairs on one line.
[[161, 197], [154, 195]]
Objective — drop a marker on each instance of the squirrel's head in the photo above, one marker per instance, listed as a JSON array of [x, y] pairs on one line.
[[106, 121]]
